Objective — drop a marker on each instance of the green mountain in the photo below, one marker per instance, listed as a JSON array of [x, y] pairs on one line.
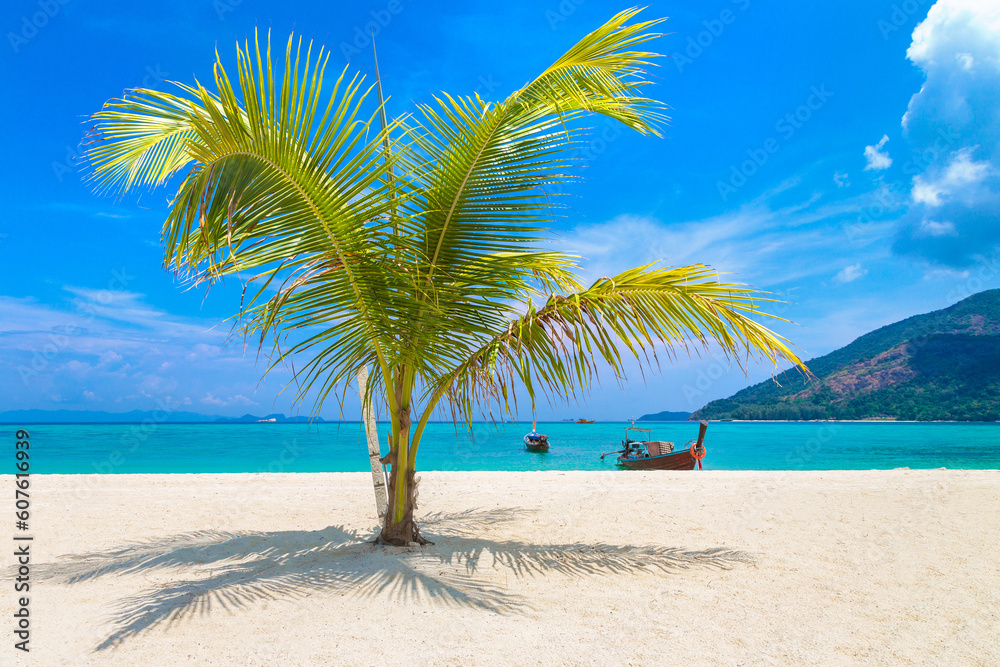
[[665, 416], [943, 365]]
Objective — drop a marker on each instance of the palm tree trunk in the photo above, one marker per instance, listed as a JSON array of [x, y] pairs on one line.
[[399, 529]]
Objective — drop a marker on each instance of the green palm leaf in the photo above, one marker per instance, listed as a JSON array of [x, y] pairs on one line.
[[561, 345]]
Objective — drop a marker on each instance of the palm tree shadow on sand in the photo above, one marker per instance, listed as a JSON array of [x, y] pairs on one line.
[[245, 568]]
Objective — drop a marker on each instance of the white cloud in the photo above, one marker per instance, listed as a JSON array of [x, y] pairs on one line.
[[953, 126], [965, 60], [841, 179], [238, 399], [934, 228], [130, 309], [75, 366], [924, 192], [849, 274], [943, 273], [964, 170], [110, 357], [878, 158], [958, 178], [932, 39]]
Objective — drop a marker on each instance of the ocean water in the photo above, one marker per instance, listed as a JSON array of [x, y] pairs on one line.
[[332, 447]]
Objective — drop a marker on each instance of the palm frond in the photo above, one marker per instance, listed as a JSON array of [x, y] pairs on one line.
[[486, 167], [480, 180], [601, 75], [141, 140], [285, 180], [560, 346]]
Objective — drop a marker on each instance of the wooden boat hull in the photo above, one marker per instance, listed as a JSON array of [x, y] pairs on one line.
[[537, 447], [680, 460]]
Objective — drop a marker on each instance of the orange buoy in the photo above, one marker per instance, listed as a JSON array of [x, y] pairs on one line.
[[698, 453]]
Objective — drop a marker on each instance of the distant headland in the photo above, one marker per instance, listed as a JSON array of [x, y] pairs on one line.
[[141, 416], [665, 416], [940, 366]]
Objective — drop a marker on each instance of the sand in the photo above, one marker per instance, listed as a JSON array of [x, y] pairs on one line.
[[735, 568]]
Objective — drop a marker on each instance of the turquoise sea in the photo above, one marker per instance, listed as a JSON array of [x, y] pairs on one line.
[[340, 447]]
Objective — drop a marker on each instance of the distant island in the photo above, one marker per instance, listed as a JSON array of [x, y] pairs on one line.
[[139, 417], [276, 418], [665, 416], [941, 366]]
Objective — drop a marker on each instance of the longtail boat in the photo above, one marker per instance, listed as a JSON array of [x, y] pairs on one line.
[[640, 452], [535, 441]]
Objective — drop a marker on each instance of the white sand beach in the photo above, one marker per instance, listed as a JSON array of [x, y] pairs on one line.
[[730, 568]]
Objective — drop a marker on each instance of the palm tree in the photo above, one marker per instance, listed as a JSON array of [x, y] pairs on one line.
[[416, 248]]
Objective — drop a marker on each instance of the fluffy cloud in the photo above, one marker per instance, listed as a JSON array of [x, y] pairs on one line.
[[849, 274], [953, 124], [238, 399], [959, 178], [109, 357], [878, 158], [934, 228]]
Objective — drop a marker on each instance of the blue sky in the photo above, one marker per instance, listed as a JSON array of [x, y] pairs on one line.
[[843, 155]]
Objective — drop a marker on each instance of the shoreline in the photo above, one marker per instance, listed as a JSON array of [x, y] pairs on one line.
[[670, 475], [561, 567], [527, 421]]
